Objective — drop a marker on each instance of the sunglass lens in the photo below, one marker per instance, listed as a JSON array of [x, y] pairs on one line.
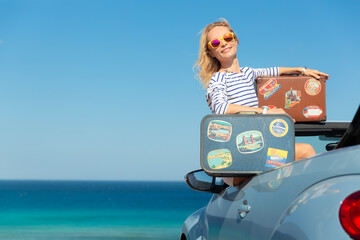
[[228, 37], [215, 43]]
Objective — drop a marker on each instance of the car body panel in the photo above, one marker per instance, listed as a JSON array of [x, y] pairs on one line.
[[317, 209], [271, 194], [194, 225]]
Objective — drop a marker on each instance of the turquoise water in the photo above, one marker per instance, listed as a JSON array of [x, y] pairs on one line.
[[95, 210]]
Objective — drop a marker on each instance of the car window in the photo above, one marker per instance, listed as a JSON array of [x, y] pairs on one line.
[[317, 142]]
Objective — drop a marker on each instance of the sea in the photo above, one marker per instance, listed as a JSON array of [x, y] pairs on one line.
[[96, 209]]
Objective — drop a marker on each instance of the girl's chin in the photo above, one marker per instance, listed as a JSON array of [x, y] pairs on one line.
[[227, 57]]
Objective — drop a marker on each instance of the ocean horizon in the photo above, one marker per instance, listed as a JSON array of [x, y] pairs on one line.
[[87, 209]]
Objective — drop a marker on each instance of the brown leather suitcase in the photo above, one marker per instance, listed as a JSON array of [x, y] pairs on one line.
[[303, 98]]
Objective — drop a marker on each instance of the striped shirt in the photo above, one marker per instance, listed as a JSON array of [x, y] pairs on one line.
[[235, 88]]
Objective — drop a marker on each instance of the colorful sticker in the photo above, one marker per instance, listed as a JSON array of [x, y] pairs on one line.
[[271, 106], [219, 159], [312, 112], [312, 87], [269, 88], [219, 131], [276, 157], [249, 142], [292, 98], [279, 128]]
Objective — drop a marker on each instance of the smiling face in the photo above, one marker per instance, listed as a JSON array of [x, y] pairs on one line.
[[227, 50]]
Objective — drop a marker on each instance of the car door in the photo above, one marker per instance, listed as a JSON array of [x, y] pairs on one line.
[[249, 210], [223, 218]]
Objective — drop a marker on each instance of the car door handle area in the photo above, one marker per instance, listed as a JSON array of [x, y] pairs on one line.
[[244, 209]]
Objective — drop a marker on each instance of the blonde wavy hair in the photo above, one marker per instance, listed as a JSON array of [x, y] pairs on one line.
[[207, 65]]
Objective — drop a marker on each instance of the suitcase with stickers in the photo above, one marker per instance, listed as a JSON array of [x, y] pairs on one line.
[[303, 98], [246, 144]]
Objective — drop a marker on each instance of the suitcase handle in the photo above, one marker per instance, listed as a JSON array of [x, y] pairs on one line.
[[322, 78], [246, 112]]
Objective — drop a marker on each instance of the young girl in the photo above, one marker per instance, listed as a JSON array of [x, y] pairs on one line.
[[230, 88]]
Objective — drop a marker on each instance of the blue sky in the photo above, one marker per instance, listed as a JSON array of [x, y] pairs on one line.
[[104, 90]]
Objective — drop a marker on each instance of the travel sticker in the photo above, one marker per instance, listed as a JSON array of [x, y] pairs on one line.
[[312, 87], [219, 159], [276, 157], [269, 88], [292, 98], [271, 106], [219, 131], [279, 127], [250, 142], [312, 112]]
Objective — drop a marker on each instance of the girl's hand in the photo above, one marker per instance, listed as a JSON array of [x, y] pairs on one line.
[[278, 111], [314, 73]]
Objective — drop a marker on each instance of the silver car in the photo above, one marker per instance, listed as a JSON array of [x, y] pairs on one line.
[[313, 198]]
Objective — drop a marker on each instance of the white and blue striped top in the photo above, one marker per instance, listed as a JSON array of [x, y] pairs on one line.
[[235, 88]]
